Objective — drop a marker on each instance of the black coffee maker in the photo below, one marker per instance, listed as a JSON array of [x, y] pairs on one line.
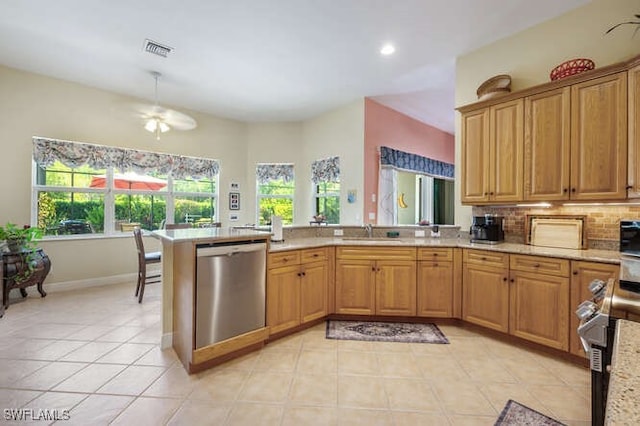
[[487, 229]]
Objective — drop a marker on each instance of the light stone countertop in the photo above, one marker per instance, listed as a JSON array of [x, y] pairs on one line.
[[208, 234], [605, 256], [624, 383]]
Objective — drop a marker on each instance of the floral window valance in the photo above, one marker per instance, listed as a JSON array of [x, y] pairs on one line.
[[416, 163], [327, 170], [268, 172], [74, 154]]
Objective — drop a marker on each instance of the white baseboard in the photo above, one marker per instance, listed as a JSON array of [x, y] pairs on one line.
[[90, 282], [166, 341]]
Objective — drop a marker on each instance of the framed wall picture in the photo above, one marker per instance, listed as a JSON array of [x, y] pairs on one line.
[[234, 201]]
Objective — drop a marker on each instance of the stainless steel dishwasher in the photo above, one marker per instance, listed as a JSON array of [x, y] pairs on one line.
[[230, 290]]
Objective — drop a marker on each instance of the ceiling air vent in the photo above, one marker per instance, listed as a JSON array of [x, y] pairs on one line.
[[157, 48]]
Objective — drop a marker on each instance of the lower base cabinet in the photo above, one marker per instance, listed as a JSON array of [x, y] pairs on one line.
[[435, 283], [485, 296]]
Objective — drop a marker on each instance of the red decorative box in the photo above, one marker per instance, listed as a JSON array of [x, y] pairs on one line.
[[571, 67]]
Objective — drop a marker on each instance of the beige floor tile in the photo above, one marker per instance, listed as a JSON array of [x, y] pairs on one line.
[[390, 347], [456, 330], [469, 346], [283, 361], [500, 393], [486, 370], [158, 357], [410, 394], [49, 330], [14, 369], [361, 392], [133, 380], [310, 416], [352, 362], [90, 332], [90, 379], [398, 364], [435, 349], [121, 334], [58, 349], [314, 389], [196, 413], [127, 353], [15, 398], [461, 420], [25, 348], [292, 341], [364, 417], [262, 386], [530, 371], [408, 418], [174, 383], [563, 402], [502, 349], [355, 345], [57, 401], [219, 386], [244, 414], [90, 352], [244, 363], [152, 336], [50, 375], [318, 340], [437, 368], [463, 398], [98, 409], [148, 411], [318, 361]]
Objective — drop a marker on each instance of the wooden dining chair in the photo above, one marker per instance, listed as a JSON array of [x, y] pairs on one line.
[[144, 259], [177, 226]]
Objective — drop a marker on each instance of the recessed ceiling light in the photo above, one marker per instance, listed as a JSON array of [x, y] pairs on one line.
[[387, 49]]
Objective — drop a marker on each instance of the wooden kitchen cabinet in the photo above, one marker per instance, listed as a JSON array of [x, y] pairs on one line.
[[492, 154], [539, 300], [435, 283], [298, 292], [485, 289], [582, 273], [634, 132], [547, 145], [599, 138], [376, 280]]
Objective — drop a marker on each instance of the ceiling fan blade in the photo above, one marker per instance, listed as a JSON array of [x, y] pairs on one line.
[[178, 120]]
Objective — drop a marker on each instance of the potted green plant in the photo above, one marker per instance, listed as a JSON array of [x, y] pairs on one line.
[[636, 23], [19, 239]]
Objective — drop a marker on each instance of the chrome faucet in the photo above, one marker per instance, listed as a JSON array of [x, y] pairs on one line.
[[369, 228]]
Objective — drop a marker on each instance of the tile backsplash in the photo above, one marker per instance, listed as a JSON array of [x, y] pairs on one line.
[[602, 221]]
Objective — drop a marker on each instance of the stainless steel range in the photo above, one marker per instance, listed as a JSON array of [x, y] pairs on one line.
[[611, 301]]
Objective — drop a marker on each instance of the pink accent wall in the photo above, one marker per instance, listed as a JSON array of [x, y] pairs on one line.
[[384, 126]]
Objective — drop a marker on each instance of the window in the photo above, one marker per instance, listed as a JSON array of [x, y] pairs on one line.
[[325, 175], [275, 189], [82, 188]]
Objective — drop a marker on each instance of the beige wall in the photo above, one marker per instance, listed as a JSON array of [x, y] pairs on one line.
[[530, 55], [35, 105], [338, 132]]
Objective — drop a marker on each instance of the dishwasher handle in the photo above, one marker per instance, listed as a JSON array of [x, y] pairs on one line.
[[230, 250]]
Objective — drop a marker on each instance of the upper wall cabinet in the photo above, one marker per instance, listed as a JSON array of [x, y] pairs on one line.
[[599, 138], [492, 154], [634, 132], [564, 140]]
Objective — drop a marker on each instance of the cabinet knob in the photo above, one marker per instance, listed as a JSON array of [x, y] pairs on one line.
[[435, 254], [304, 274], [315, 254], [299, 274], [512, 280], [573, 190], [485, 194], [284, 259], [435, 264], [483, 258], [378, 270], [628, 187], [536, 265], [565, 190], [504, 279], [575, 272], [373, 268]]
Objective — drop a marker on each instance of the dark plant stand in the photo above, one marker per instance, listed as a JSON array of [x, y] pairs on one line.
[[15, 264]]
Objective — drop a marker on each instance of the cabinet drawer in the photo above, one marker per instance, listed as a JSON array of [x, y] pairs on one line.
[[486, 258], [284, 258], [439, 254], [314, 255], [542, 265], [376, 253]]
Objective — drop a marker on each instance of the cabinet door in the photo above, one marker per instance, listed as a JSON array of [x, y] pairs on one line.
[[435, 289], [539, 308], [506, 152], [581, 276], [475, 157], [599, 138], [396, 287], [485, 297], [355, 287], [283, 298], [634, 132], [547, 145], [313, 291]]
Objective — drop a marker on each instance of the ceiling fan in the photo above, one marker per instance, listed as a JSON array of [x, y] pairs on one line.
[[159, 120]]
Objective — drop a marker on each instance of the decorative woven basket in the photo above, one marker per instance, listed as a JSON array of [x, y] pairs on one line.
[[571, 67]]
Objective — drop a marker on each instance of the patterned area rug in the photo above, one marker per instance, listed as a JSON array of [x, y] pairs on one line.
[[385, 332], [515, 413]]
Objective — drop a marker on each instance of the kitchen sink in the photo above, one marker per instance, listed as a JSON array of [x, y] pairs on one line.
[[385, 239]]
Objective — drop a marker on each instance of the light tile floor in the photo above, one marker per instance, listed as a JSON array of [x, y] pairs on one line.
[[95, 352]]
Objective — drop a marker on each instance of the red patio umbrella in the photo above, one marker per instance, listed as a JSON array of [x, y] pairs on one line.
[[129, 181]]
